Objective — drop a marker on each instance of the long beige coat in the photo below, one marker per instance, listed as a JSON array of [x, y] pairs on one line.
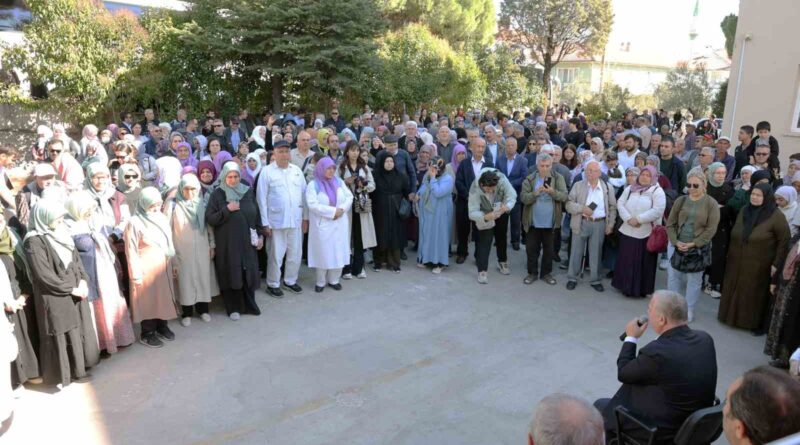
[[368, 237], [155, 297], [197, 279]]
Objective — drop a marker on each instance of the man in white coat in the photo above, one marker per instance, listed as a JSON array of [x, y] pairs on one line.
[[281, 192]]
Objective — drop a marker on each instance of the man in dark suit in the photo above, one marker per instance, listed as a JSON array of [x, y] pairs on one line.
[[672, 377], [468, 170], [234, 136], [517, 172]]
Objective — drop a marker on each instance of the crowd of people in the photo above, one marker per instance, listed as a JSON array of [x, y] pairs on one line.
[[146, 221]]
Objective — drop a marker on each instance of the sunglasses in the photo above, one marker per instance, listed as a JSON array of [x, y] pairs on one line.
[[131, 176], [55, 151], [692, 186]]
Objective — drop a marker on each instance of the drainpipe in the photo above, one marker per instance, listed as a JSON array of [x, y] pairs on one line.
[[747, 38]]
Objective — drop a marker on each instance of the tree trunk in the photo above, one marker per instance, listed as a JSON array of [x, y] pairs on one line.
[[276, 82], [548, 68]]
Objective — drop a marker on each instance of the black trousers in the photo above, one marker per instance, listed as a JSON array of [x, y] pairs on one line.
[[390, 257], [463, 227], [357, 258], [149, 327], [241, 300], [539, 240], [484, 244], [188, 311]]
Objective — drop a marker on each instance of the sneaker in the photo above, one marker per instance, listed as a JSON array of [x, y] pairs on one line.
[[376, 268], [664, 264], [165, 333], [483, 278], [436, 270], [564, 265], [347, 276], [707, 289], [275, 292], [690, 318], [294, 288], [503, 267], [421, 265], [715, 294], [362, 275], [186, 322], [235, 316], [151, 341], [205, 317], [396, 269]]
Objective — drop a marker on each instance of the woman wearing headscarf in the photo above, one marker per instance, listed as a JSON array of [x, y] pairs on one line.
[[641, 207], [783, 335], [147, 164], [183, 152], [459, 154], [233, 213], [390, 188], [328, 200], [94, 152], [19, 308], [149, 248], [741, 187], [67, 339], [169, 147], [207, 174], [794, 167], [786, 199], [112, 321], [194, 251], [322, 139], [68, 170], [691, 225], [169, 176], [357, 176], [722, 192], [258, 138], [252, 167], [435, 200], [199, 144], [123, 203], [759, 242]]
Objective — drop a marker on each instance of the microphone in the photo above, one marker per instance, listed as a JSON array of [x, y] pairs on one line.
[[640, 321]]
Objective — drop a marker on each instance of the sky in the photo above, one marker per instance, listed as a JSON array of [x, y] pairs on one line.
[[663, 25]]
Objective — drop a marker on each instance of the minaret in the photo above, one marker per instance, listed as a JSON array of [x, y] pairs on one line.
[[693, 30]]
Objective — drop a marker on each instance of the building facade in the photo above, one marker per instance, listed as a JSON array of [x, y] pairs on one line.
[[764, 80]]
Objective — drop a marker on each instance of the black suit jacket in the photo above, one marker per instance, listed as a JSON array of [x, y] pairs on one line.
[[465, 176], [672, 377]]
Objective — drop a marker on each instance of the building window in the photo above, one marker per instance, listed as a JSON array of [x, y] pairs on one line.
[[795, 126], [566, 75]]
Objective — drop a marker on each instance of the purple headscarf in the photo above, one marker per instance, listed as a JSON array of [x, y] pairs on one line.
[[459, 148], [329, 185], [221, 159], [188, 169], [191, 161], [636, 187]]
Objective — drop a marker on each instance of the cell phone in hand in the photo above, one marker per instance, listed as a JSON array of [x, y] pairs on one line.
[[548, 181], [592, 206]]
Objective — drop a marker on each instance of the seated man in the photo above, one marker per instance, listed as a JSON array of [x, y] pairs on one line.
[[565, 420], [761, 406], [672, 377]]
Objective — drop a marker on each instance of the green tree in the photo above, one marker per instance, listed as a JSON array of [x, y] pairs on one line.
[[77, 48], [507, 86], [318, 45], [420, 68], [614, 99], [718, 104], [463, 23], [728, 26], [551, 29], [685, 87]]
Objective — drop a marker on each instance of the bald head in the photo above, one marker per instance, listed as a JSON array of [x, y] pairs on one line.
[[562, 419]]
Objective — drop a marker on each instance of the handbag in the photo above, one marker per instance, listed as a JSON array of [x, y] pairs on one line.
[[404, 210], [657, 242], [362, 203], [695, 259]]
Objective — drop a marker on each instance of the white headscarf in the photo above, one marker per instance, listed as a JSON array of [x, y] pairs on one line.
[[256, 135], [169, 172]]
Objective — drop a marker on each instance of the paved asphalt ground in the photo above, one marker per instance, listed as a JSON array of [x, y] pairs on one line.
[[409, 358]]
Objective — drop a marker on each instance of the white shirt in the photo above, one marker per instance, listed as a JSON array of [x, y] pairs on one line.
[[281, 196], [477, 166], [492, 148], [596, 195], [627, 161], [510, 163]]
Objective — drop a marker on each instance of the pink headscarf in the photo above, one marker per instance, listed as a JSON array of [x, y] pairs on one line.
[[636, 187], [221, 159], [329, 185], [459, 148]]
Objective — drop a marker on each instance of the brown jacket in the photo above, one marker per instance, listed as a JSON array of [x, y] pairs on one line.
[[705, 220]]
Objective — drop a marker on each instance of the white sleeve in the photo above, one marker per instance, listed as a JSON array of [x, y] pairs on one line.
[[261, 197]]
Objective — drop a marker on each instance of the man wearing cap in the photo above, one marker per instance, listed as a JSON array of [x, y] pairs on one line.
[[234, 135], [722, 146], [284, 218], [44, 176]]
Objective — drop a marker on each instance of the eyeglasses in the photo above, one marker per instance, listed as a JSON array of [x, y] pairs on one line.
[[232, 123], [693, 185], [131, 176], [334, 114]]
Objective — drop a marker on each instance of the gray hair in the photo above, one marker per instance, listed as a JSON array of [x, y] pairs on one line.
[[543, 157], [411, 124], [562, 419], [709, 151], [671, 305], [697, 172]]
